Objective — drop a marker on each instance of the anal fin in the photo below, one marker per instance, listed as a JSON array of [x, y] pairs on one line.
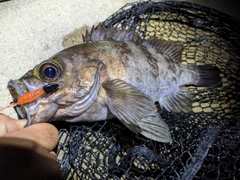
[[177, 101]]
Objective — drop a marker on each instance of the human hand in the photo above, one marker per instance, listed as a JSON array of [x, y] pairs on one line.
[[26, 153]]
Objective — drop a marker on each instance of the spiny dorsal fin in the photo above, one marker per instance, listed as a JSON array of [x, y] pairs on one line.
[[170, 49], [101, 33]]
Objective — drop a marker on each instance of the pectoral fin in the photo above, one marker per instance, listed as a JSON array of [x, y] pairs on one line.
[[136, 110], [154, 127]]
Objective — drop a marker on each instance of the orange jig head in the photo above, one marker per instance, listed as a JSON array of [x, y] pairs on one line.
[[29, 96], [33, 95]]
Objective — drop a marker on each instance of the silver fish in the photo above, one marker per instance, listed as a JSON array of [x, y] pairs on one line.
[[114, 73]]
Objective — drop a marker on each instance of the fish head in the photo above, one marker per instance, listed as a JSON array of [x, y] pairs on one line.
[[78, 80]]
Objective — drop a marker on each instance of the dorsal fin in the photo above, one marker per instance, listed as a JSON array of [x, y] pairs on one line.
[[101, 33], [170, 49]]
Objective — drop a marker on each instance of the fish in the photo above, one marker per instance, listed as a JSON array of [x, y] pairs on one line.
[[114, 73]]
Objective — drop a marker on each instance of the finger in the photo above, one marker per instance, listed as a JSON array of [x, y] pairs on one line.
[[44, 134], [53, 155], [8, 124]]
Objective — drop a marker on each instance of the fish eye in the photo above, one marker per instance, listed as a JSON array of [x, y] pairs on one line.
[[48, 70]]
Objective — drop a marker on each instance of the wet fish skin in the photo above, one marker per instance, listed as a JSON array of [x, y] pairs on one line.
[[115, 73]]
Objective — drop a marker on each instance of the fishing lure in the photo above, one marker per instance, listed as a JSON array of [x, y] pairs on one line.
[[32, 95]]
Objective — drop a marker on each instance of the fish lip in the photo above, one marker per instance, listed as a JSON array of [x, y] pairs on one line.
[[17, 89], [16, 86], [27, 111]]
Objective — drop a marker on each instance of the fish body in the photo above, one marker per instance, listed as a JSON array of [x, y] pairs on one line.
[[114, 73]]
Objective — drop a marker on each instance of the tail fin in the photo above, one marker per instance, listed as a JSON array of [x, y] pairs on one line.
[[208, 76]]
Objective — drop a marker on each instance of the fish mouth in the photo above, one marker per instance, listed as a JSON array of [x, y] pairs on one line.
[[17, 89]]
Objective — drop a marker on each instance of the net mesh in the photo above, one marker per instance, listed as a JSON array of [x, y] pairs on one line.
[[206, 141]]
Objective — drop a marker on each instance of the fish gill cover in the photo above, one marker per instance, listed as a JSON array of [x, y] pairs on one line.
[[206, 142]]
